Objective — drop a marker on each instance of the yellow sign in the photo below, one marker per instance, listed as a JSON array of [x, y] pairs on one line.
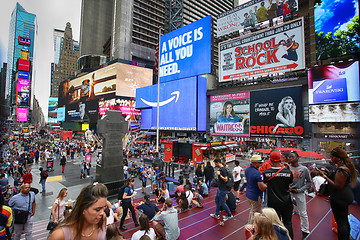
[[84, 126]]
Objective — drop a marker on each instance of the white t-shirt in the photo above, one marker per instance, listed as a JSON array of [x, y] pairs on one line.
[[166, 195], [238, 177], [189, 195], [318, 180], [137, 235]]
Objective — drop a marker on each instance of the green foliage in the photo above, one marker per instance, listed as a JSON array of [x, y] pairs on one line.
[[340, 43]]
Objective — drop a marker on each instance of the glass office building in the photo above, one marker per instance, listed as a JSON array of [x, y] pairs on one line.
[[22, 33]]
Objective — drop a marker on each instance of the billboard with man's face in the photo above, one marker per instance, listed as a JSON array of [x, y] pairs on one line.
[[280, 113]]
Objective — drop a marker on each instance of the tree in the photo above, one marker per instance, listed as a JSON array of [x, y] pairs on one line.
[[340, 43]]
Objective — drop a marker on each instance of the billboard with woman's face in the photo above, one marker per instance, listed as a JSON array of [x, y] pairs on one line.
[[230, 115], [277, 112]]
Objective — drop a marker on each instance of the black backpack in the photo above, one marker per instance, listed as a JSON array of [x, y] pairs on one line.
[[121, 192], [230, 181]]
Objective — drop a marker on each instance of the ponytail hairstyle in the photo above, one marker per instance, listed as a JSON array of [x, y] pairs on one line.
[[343, 156]]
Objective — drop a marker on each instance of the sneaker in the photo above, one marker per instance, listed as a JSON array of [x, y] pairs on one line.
[[136, 224], [214, 215], [304, 235], [296, 212], [123, 228], [225, 218], [238, 200]]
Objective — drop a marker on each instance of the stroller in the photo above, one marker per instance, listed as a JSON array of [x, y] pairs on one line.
[[50, 165]]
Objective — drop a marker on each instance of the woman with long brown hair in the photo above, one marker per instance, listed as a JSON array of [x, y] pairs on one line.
[[263, 228], [87, 218], [341, 195]]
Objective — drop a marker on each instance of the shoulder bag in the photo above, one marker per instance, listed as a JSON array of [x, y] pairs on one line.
[[52, 225], [21, 216]]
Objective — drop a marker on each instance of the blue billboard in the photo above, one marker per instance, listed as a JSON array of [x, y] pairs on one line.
[[186, 52], [182, 105], [24, 75], [61, 114]]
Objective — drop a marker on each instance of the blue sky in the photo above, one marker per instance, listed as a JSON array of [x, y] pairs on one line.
[[335, 14]]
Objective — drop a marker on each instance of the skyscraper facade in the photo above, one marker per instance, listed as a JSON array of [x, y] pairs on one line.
[[22, 33], [66, 56]]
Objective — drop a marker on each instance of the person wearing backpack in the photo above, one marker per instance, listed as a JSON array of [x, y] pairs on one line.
[[43, 176], [220, 199]]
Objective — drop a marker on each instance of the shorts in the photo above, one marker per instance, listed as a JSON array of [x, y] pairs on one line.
[[143, 183], [237, 185]]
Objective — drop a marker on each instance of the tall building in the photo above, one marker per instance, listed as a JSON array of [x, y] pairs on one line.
[[3, 106], [22, 33], [66, 56]]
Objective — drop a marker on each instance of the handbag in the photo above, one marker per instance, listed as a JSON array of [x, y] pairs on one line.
[[52, 225], [21, 216]]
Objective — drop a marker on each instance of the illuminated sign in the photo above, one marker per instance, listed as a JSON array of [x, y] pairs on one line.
[[24, 40], [24, 55], [186, 51], [61, 114], [24, 75], [278, 49], [334, 83], [23, 65], [342, 112], [23, 99], [21, 114], [52, 109], [23, 85]]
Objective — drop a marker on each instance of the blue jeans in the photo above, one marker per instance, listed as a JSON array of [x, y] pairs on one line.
[[43, 184], [220, 200], [208, 182]]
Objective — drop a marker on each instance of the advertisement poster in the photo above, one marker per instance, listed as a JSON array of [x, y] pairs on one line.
[[23, 65], [186, 52], [278, 49], [21, 114], [252, 13], [342, 112], [61, 114], [24, 75], [118, 78], [125, 106], [230, 115], [280, 113], [82, 112], [23, 85], [22, 99], [334, 83], [52, 109]]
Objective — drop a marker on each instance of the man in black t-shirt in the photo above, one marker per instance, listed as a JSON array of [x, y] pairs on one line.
[[220, 198], [278, 181]]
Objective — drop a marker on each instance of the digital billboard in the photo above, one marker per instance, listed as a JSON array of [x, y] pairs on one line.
[[23, 65], [230, 115], [182, 105], [52, 109], [280, 113], [61, 114], [22, 99], [252, 13], [278, 49], [336, 28], [24, 40], [23, 85], [82, 112], [118, 78], [124, 105], [186, 51], [342, 112], [334, 83], [24, 75], [21, 114]]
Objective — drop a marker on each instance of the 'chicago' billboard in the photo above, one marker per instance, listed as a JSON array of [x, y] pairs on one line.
[[186, 51], [280, 113], [230, 115], [252, 13], [278, 49], [182, 105], [334, 83]]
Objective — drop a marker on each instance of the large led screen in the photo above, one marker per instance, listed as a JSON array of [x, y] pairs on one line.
[[278, 49], [125, 105], [230, 115], [334, 83], [21, 114], [82, 112], [52, 109], [336, 28], [23, 65], [22, 99], [24, 75], [252, 13], [276, 112], [342, 112], [181, 105], [118, 78], [186, 51], [23, 85], [61, 114]]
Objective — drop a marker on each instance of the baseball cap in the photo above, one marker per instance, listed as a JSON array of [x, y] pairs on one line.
[[256, 158], [275, 156]]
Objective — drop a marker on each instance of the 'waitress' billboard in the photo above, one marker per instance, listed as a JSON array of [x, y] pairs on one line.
[[280, 113]]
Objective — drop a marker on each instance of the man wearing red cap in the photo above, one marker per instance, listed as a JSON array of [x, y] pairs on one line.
[[278, 181]]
